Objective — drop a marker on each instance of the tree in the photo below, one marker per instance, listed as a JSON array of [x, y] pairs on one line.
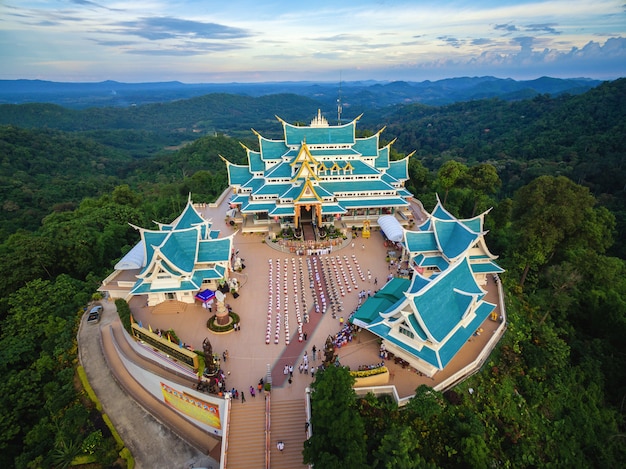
[[483, 179], [551, 214], [449, 175], [338, 433]]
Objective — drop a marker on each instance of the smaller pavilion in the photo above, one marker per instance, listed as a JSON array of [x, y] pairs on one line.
[[176, 261], [426, 320]]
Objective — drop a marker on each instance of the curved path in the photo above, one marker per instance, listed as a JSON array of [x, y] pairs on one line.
[[150, 430]]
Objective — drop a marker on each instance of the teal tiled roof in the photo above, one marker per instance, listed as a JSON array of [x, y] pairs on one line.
[[272, 189], [447, 298], [332, 209], [190, 217], [374, 202], [486, 268], [399, 169], [256, 163], [238, 175], [338, 152], [254, 184], [252, 207], [440, 304], [180, 249], [368, 146], [281, 170], [382, 301], [272, 149], [215, 250], [420, 241], [331, 135], [356, 186], [382, 161], [283, 211], [453, 237]]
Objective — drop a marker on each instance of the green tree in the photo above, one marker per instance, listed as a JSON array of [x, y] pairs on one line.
[[449, 175], [483, 179], [552, 214], [338, 433]]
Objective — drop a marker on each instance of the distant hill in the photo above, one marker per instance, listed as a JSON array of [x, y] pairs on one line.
[[355, 94]]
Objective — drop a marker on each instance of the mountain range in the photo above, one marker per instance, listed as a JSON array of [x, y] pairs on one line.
[[356, 94]]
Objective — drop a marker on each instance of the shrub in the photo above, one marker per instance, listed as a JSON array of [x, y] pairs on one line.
[[213, 326]]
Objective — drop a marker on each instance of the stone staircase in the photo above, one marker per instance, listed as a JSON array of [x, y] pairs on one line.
[[288, 422], [308, 232], [246, 437]]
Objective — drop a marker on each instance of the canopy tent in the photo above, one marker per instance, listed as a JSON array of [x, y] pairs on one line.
[[205, 295], [391, 227], [134, 259]]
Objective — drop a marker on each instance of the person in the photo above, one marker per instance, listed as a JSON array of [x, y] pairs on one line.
[[313, 354], [225, 355], [252, 393], [243, 397], [280, 445]]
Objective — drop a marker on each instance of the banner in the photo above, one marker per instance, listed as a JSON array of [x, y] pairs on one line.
[[192, 406]]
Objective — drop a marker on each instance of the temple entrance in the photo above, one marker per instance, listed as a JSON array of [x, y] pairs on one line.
[[306, 214], [306, 223]]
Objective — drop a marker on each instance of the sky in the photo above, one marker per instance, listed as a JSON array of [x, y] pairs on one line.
[[207, 41]]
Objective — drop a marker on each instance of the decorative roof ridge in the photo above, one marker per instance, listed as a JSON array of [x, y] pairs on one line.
[[309, 185], [442, 275], [348, 124], [228, 163]]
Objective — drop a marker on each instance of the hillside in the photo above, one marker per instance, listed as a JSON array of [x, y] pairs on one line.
[[551, 394]]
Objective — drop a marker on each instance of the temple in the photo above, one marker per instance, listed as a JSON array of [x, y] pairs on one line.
[[426, 320], [320, 175]]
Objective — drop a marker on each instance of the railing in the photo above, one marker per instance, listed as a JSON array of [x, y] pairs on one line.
[[268, 432], [224, 451]]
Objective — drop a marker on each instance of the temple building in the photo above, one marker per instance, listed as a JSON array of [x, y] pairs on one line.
[[427, 319], [174, 262], [321, 175]]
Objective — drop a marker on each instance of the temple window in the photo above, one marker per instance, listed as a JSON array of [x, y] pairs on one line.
[[406, 332]]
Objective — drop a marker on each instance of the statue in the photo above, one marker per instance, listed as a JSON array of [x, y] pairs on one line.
[[329, 352], [210, 365]]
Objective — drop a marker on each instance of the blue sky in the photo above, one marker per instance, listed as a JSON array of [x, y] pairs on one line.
[[322, 40]]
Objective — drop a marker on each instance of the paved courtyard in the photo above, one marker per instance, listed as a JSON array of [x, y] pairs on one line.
[[275, 283]]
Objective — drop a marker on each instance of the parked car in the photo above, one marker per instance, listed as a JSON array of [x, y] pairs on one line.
[[94, 314]]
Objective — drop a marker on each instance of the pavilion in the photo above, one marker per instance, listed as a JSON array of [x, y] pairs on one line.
[[426, 320], [174, 262]]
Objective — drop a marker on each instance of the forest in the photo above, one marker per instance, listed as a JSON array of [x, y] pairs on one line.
[[552, 168]]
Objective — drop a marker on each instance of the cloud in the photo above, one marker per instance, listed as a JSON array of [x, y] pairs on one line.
[[481, 41], [508, 27], [545, 27], [166, 27], [452, 41]]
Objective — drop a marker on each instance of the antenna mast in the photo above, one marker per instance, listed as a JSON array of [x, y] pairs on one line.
[[339, 108]]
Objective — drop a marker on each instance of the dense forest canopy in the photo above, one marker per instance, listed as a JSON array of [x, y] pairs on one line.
[[552, 168]]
